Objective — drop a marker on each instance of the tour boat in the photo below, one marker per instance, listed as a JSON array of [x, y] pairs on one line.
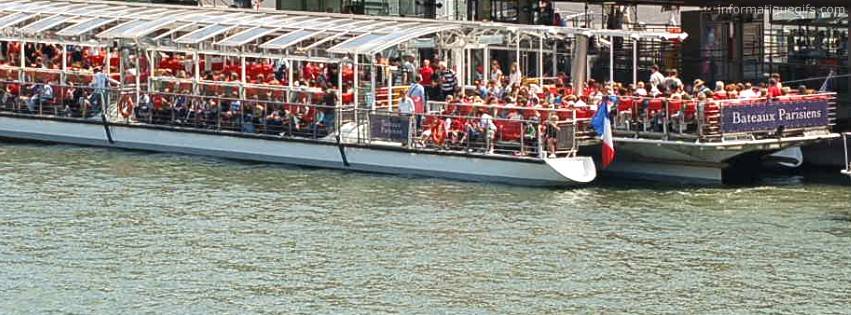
[[199, 81]]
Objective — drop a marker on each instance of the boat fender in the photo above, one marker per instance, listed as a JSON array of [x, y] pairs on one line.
[[125, 107], [438, 133]]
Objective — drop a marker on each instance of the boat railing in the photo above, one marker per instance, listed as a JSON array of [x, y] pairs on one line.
[[437, 131], [520, 136], [723, 120]]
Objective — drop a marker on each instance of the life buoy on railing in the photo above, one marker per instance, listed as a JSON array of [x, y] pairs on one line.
[[438, 133], [125, 106]]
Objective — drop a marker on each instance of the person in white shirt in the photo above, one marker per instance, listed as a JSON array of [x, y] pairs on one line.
[[640, 90], [406, 106], [515, 76], [656, 77], [672, 82], [488, 129], [748, 92]]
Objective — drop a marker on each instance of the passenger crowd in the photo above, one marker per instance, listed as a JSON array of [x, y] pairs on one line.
[[497, 111]]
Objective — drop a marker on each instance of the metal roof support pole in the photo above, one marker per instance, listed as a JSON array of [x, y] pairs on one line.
[[470, 63], [355, 79], [486, 59], [242, 77], [555, 58], [373, 95], [517, 52], [196, 64], [541, 60], [152, 68], [389, 75], [122, 54], [22, 76], [290, 66], [138, 76], [611, 59], [107, 69], [634, 61], [62, 75], [338, 119]]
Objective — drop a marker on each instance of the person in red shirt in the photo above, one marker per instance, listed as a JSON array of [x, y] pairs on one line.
[[426, 72], [773, 89]]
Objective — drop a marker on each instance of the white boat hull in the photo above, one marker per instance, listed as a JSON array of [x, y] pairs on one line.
[[713, 163], [389, 160]]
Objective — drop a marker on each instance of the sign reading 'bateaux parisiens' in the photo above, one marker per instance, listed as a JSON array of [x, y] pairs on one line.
[[769, 116], [389, 127]]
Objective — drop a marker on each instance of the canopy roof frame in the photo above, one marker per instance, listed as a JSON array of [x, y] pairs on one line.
[[142, 22]]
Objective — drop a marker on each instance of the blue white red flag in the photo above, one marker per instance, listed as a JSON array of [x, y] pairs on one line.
[[603, 126]]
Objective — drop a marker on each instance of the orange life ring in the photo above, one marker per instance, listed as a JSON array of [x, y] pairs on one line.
[[125, 106], [438, 132]]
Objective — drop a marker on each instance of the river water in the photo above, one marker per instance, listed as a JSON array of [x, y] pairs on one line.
[[85, 230]]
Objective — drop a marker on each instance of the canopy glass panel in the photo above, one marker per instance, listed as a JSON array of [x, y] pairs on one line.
[[204, 34], [84, 27], [44, 24], [120, 29], [246, 36], [289, 39], [14, 19]]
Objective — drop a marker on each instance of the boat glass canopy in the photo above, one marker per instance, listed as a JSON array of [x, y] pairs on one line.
[[324, 35]]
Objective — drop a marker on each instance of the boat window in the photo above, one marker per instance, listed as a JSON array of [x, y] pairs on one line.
[[204, 34], [246, 36], [289, 39]]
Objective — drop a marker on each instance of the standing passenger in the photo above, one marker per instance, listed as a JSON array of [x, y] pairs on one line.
[[448, 81], [100, 83]]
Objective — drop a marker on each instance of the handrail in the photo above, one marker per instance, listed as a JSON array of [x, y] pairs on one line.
[[196, 113]]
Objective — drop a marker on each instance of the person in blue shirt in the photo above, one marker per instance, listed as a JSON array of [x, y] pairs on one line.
[[100, 85]]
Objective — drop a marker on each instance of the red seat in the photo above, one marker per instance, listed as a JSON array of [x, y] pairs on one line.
[[691, 110], [511, 130], [674, 106], [348, 98], [655, 105], [626, 104], [584, 113]]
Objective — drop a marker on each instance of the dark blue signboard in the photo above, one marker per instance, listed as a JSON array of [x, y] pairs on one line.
[[393, 127], [769, 116]]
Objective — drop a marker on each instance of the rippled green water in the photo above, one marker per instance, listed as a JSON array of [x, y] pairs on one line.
[[86, 230]]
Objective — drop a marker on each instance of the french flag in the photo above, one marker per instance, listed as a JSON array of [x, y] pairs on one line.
[[603, 126]]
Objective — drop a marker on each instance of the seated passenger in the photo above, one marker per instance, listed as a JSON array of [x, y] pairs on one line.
[[41, 93], [180, 108]]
